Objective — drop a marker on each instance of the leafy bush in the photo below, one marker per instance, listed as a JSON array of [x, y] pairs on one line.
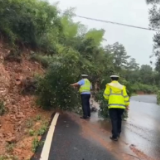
[[31, 132], [138, 87], [14, 56], [42, 59], [54, 89], [30, 22], [35, 144], [42, 130], [104, 112], [128, 86]]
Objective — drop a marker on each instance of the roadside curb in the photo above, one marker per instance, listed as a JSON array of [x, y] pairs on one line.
[[38, 153], [48, 141]]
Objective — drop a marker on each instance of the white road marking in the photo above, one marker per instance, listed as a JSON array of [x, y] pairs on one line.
[[48, 141]]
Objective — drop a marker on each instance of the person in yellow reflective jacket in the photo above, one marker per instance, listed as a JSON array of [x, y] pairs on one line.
[[85, 90], [118, 101]]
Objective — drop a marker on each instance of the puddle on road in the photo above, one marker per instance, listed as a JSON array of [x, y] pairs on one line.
[[141, 128]]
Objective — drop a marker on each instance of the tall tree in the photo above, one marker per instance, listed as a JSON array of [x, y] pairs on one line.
[[152, 1], [120, 57], [158, 65], [155, 23], [96, 35], [146, 74], [132, 64]]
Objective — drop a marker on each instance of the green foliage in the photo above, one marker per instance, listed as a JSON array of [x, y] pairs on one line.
[[138, 87], [120, 57], [54, 89], [152, 1], [38, 118], [39, 132], [43, 59], [132, 65], [104, 112], [14, 56], [154, 17], [128, 86], [158, 97], [35, 144], [96, 35], [31, 132], [70, 28], [30, 22], [42, 130], [8, 157], [66, 49]]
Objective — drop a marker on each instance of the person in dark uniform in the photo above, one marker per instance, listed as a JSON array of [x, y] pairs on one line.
[[85, 90]]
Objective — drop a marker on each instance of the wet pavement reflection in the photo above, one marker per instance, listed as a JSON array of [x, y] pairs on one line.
[[142, 128]]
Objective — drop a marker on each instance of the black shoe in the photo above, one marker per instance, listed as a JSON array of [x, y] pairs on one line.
[[114, 139], [83, 117]]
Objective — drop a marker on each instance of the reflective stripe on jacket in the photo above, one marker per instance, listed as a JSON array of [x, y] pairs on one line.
[[116, 95], [86, 87]]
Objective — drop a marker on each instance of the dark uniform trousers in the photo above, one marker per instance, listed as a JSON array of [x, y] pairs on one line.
[[116, 120], [86, 105]]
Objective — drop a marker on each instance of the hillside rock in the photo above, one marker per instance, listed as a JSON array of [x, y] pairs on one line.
[[20, 108]]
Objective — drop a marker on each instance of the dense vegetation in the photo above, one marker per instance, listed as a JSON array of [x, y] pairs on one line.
[[155, 24], [67, 49]]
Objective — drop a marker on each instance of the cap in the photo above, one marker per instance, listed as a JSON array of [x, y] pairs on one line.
[[114, 76], [84, 75]]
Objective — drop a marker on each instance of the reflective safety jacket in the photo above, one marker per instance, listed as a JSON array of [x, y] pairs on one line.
[[86, 87], [116, 95]]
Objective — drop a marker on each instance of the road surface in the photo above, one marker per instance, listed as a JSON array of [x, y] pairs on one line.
[[143, 126], [77, 139], [70, 144]]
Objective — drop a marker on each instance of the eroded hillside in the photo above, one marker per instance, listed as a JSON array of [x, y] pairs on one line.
[[21, 121]]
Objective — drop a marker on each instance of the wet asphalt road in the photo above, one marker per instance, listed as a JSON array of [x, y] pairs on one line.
[[143, 125], [69, 144], [142, 129]]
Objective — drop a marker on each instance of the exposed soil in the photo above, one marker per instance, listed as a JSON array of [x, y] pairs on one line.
[[21, 111], [143, 93], [140, 154]]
